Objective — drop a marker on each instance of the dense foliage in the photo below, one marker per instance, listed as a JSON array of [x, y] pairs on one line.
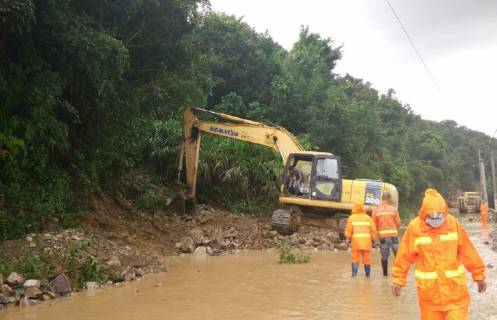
[[92, 90]]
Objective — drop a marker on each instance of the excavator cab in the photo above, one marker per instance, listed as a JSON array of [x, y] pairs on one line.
[[312, 176]]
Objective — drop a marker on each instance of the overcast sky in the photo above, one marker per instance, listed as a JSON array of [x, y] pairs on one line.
[[456, 38]]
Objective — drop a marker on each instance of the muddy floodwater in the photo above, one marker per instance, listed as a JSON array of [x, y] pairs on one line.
[[252, 285]]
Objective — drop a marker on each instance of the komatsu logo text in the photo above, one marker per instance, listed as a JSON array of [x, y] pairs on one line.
[[226, 132]]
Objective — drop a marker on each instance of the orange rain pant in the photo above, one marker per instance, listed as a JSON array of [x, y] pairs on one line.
[[484, 226], [455, 314], [365, 254]]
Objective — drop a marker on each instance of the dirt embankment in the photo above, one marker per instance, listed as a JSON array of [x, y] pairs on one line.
[[117, 243], [138, 239]]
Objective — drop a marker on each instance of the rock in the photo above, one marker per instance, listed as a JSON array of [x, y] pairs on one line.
[[3, 299], [46, 296], [32, 292], [186, 245], [25, 302], [139, 272], [224, 246], [14, 279], [60, 285], [215, 252], [32, 283], [309, 243], [91, 285], [214, 245], [333, 236], [2, 280], [6, 290], [197, 236], [129, 276], [117, 277], [342, 246], [109, 283], [114, 262], [43, 283], [200, 251], [273, 233], [18, 293]]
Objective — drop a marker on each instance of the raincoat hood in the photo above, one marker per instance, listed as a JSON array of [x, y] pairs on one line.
[[432, 202], [358, 209]]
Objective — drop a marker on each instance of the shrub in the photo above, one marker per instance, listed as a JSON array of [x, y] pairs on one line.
[[289, 256]]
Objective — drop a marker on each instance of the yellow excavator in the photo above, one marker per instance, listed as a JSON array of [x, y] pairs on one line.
[[312, 188]]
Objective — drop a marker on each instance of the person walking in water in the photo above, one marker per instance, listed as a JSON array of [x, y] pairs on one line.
[[387, 221], [484, 213], [438, 246], [360, 231]]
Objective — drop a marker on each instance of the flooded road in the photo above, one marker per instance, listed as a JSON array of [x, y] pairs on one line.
[[253, 285]]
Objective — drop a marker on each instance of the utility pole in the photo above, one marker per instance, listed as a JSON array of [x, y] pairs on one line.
[[494, 183], [483, 181]]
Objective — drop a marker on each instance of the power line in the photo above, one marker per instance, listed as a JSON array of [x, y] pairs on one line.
[[414, 47]]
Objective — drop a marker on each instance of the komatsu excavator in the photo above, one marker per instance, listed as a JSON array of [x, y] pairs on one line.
[[310, 196]]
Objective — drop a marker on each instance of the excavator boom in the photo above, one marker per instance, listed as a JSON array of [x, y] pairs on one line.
[[231, 127]]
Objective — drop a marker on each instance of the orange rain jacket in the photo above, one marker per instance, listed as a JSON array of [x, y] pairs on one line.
[[387, 220], [440, 256], [484, 212], [360, 228]]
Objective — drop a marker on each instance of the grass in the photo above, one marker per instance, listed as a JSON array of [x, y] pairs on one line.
[[288, 255]]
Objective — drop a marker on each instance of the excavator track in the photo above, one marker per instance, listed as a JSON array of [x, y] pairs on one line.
[[286, 220]]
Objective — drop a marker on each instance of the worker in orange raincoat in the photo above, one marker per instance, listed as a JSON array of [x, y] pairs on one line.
[[484, 213], [438, 246], [484, 219], [387, 221], [361, 232]]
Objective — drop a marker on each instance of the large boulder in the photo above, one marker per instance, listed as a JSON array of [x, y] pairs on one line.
[[32, 283], [6, 290], [91, 285], [60, 285], [48, 296], [14, 279], [4, 299], [33, 292], [200, 251]]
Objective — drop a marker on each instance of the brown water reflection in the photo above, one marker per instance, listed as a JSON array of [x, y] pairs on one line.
[[252, 285]]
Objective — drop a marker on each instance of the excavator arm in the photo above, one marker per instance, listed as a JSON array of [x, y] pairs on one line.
[[230, 127]]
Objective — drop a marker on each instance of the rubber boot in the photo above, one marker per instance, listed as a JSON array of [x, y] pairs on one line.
[[384, 265], [367, 269], [355, 267]]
